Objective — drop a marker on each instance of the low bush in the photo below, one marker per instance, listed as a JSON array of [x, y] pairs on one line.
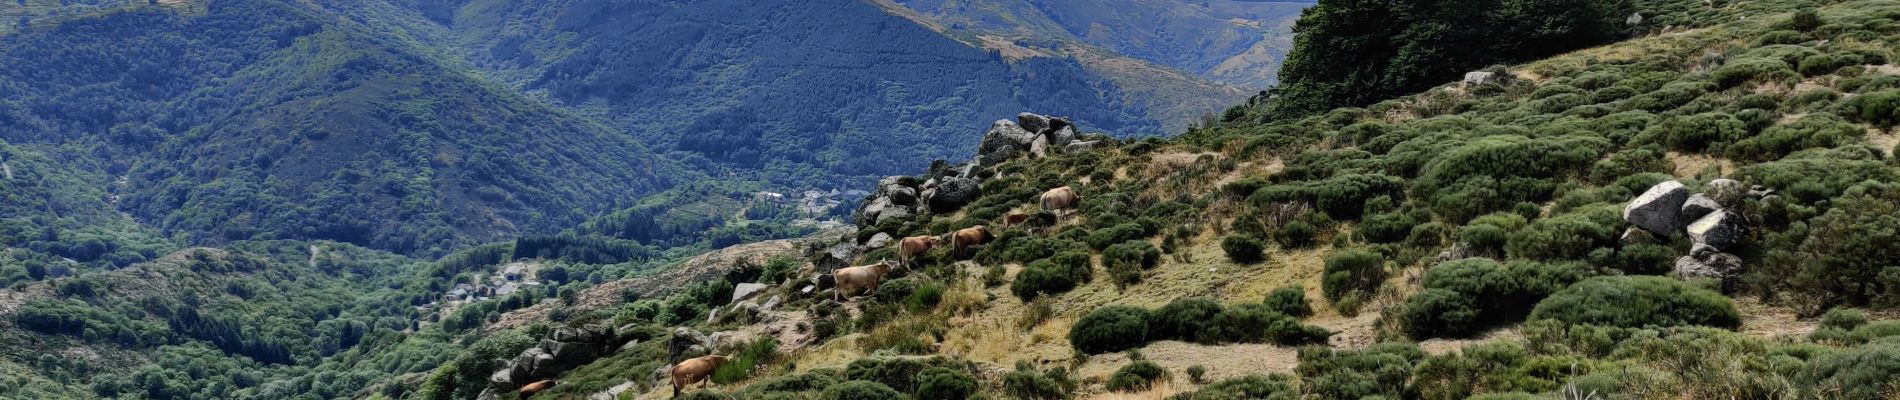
[[1378, 370], [1029, 384], [1289, 300], [1251, 387], [860, 390], [898, 373], [1296, 234], [1864, 372], [1110, 329], [938, 383], [1126, 261], [1186, 319], [1746, 70], [1638, 301], [1105, 237], [1054, 275], [1352, 271], [1243, 249], [1136, 376], [1568, 236], [1191, 319], [1196, 373]]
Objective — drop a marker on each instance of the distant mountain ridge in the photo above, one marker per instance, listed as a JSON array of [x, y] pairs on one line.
[[1235, 43]]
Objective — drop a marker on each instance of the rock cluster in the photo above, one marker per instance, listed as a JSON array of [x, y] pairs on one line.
[[562, 349], [948, 187], [1711, 219]]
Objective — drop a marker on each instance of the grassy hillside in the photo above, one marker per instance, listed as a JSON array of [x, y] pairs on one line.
[[1462, 241], [266, 120]]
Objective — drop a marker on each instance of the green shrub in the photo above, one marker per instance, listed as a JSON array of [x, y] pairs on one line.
[[1843, 318], [1243, 249], [1864, 372], [860, 390], [1289, 300], [1339, 196], [1102, 238], [1378, 370], [1110, 329], [1027, 383], [894, 372], [1254, 323], [1741, 71], [1638, 301], [1126, 261], [1881, 108], [1815, 131], [1849, 252], [1185, 319], [1296, 234], [1245, 186], [740, 367], [1569, 236], [925, 297], [1385, 227], [1251, 387], [1054, 275], [1136, 376], [1197, 373], [938, 383], [1705, 132], [1352, 270]]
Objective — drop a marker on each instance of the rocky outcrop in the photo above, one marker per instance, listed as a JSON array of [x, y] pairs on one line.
[[560, 350], [1706, 262], [1720, 229], [952, 193], [947, 187], [1481, 78], [686, 342], [1698, 206], [1659, 209]]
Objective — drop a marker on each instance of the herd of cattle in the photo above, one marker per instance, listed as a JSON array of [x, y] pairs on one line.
[[1060, 201]]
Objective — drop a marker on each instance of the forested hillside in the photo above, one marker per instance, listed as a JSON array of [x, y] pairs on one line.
[[258, 119], [1236, 43], [787, 92]]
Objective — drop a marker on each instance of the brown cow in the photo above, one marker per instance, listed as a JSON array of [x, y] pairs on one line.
[[962, 239], [859, 277], [695, 370], [911, 247], [531, 389], [1014, 218], [1060, 200]]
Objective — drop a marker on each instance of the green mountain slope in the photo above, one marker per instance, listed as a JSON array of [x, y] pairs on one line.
[[1466, 240], [1236, 43], [789, 93], [268, 120]]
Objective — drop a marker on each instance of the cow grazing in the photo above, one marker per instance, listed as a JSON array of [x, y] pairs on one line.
[[860, 277], [911, 247], [963, 239], [531, 389], [1060, 200], [1014, 219], [695, 370]]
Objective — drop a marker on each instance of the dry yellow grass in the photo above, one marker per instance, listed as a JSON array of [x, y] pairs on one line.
[[1692, 165], [1885, 140]]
